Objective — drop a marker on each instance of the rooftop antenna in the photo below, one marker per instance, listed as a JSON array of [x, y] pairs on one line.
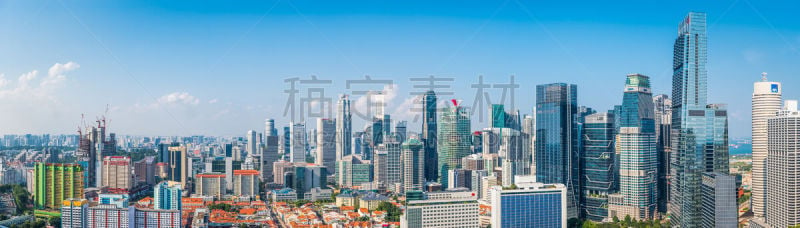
[[763, 76]]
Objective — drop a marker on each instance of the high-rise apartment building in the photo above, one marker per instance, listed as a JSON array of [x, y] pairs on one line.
[[167, 195], [117, 173], [429, 137], [699, 130], [326, 143], [766, 103], [108, 216], [297, 142], [636, 148], [454, 140], [145, 170], [210, 184], [413, 165], [597, 165], [55, 182], [556, 139], [246, 183], [74, 212], [782, 164]]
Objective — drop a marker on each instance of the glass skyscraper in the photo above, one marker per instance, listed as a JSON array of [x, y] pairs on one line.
[[699, 131], [597, 164], [636, 148], [556, 139], [429, 134], [455, 140]]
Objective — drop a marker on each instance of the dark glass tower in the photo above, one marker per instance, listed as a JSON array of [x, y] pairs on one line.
[[698, 129], [597, 164], [556, 139], [429, 135]]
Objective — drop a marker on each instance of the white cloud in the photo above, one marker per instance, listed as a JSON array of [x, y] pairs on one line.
[[213, 101], [55, 74], [3, 80], [26, 77], [178, 98]]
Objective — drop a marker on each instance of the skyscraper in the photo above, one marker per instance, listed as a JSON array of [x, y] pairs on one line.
[[297, 142], [413, 164], [117, 175], [766, 102], [245, 183], [269, 155], [252, 142], [782, 163], [597, 163], [56, 182], [343, 128], [269, 129], [662, 106], [326, 143], [699, 130], [529, 205], [556, 139], [178, 164], [353, 171], [429, 130], [636, 145], [456, 140]]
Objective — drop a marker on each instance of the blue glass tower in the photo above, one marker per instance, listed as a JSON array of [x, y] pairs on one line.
[[698, 129], [556, 139], [429, 135], [636, 149], [597, 165]]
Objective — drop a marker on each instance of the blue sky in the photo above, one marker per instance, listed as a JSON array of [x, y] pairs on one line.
[[216, 68]]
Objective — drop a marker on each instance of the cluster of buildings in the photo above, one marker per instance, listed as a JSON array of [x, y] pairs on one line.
[[649, 157]]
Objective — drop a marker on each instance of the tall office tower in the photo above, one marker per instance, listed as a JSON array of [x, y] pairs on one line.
[[298, 143], [636, 147], [445, 209], [55, 182], [528, 138], [499, 118], [73, 213], [237, 153], [477, 142], [429, 130], [210, 184], [507, 143], [326, 143], [269, 156], [782, 163], [178, 165], [269, 129], [529, 205], [699, 130], [400, 130], [766, 103], [719, 206], [354, 171], [379, 163], [556, 139], [413, 165], [279, 168], [287, 141], [459, 178], [117, 176], [394, 164], [228, 150], [597, 163], [145, 170], [245, 183], [454, 130], [662, 106], [344, 129], [307, 177], [252, 142], [167, 195]]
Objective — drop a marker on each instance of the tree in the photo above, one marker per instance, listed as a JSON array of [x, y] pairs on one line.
[[392, 212], [221, 206], [363, 219], [574, 222]]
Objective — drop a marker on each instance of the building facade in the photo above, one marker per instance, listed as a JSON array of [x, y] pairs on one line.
[[782, 163], [55, 182], [210, 184], [597, 166], [557, 138], [326, 143], [413, 165], [246, 183], [766, 103], [429, 136], [444, 209], [530, 205], [167, 195], [719, 205], [454, 140], [117, 172]]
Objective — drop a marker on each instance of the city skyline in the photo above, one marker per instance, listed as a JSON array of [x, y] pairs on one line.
[[177, 84]]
